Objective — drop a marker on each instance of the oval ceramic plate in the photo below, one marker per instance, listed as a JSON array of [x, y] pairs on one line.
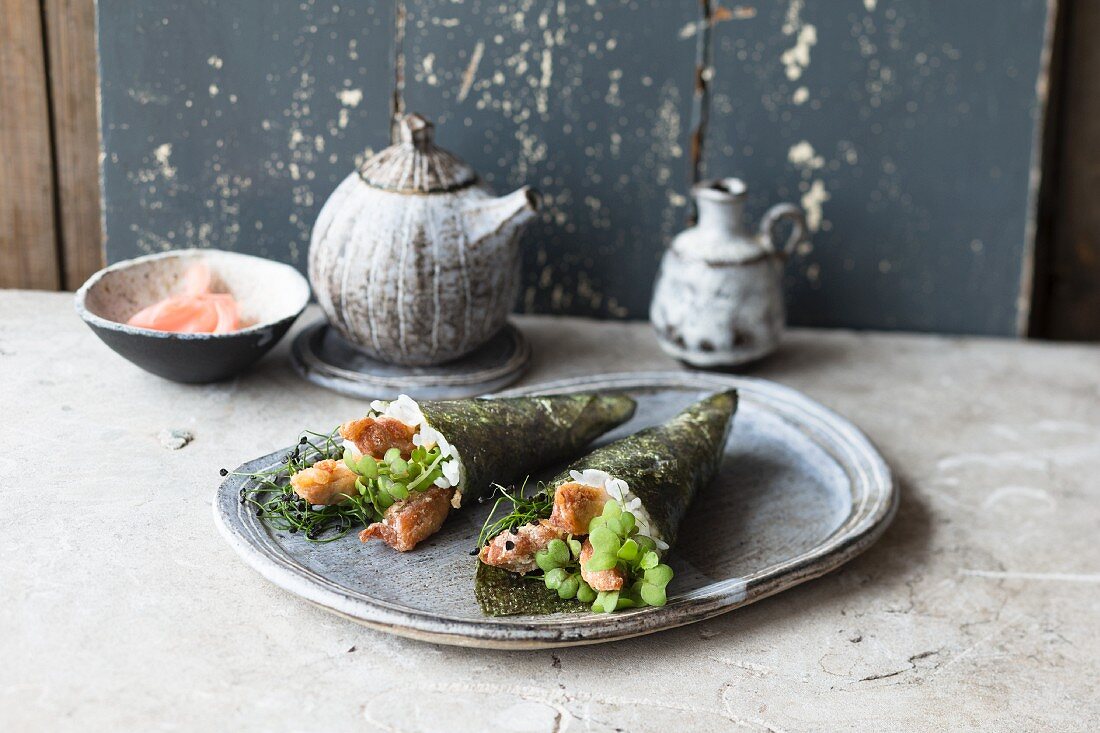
[[801, 491]]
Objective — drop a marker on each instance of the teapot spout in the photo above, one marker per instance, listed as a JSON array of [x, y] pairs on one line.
[[503, 215]]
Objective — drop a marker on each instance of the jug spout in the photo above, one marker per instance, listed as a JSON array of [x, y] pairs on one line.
[[721, 204], [505, 215]]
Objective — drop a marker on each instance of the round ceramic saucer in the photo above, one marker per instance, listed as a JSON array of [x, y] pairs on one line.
[[325, 358]]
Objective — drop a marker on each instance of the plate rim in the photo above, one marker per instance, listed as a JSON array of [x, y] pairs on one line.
[[866, 522]]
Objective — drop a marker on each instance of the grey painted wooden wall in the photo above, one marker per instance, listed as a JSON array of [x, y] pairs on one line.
[[905, 128]]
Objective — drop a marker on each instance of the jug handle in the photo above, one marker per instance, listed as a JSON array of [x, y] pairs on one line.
[[776, 214]]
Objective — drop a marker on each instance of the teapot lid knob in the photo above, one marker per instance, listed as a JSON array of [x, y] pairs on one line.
[[417, 130], [415, 164]]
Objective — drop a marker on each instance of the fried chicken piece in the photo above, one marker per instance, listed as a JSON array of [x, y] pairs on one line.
[[575, 505], [612, 579], [373, 436], [515, 550], [325, 482], [412, 520]]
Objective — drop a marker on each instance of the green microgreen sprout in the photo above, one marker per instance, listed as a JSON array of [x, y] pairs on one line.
[[521, 510], [392, 478], [379, 483], [560, 564], [616, 544], [270, 494]]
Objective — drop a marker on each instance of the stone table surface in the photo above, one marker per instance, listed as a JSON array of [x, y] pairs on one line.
[[123, 609]]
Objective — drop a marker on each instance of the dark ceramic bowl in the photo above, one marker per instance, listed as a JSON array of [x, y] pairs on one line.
[[270, 295]]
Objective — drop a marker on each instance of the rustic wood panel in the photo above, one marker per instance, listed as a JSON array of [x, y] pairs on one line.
[[70, 41], [906, 130], [591, 103], [1067, 283], [28, 245], [906, 127], [228, 124]]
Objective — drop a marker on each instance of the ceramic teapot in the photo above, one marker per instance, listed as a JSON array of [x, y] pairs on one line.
[[718, 300], [411, 259]]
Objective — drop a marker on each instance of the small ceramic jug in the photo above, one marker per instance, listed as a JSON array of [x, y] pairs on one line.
[[718, 301]]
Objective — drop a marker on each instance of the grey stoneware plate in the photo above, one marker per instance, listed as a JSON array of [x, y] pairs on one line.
[[801, 491]]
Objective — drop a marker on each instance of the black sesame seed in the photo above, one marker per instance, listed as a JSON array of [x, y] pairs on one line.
[[224, 472], [473, 552], [509, 545], [303, 441]]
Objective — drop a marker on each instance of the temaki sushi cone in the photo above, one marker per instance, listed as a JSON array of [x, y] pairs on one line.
[[406, 463], [602, 526]]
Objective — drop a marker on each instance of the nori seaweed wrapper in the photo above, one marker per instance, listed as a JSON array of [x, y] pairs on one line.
[[502, 593], [665, 465], [501, 441]]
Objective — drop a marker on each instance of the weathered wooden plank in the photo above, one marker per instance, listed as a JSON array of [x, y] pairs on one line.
[[70, 41], [588, 102], [906, 129], [28, 244], [1070, 268], [228, 124]]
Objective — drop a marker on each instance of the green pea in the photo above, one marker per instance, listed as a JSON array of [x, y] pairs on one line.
[[559, 551], [653, 595], [569, 587], [629, 551], [649, 560], [585, 594], [658, 575], [601, 561], [555, 577]]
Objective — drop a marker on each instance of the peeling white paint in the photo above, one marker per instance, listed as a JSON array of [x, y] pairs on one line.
[[470, 73], [797, 58], [162, 155], [803, 156], [350, 97], [612, 98], [813, 203]]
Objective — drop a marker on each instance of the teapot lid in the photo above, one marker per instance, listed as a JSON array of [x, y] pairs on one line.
[[416, 165]]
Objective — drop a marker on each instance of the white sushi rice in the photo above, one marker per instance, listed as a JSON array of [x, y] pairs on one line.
[[405, 410], [618, 490]]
